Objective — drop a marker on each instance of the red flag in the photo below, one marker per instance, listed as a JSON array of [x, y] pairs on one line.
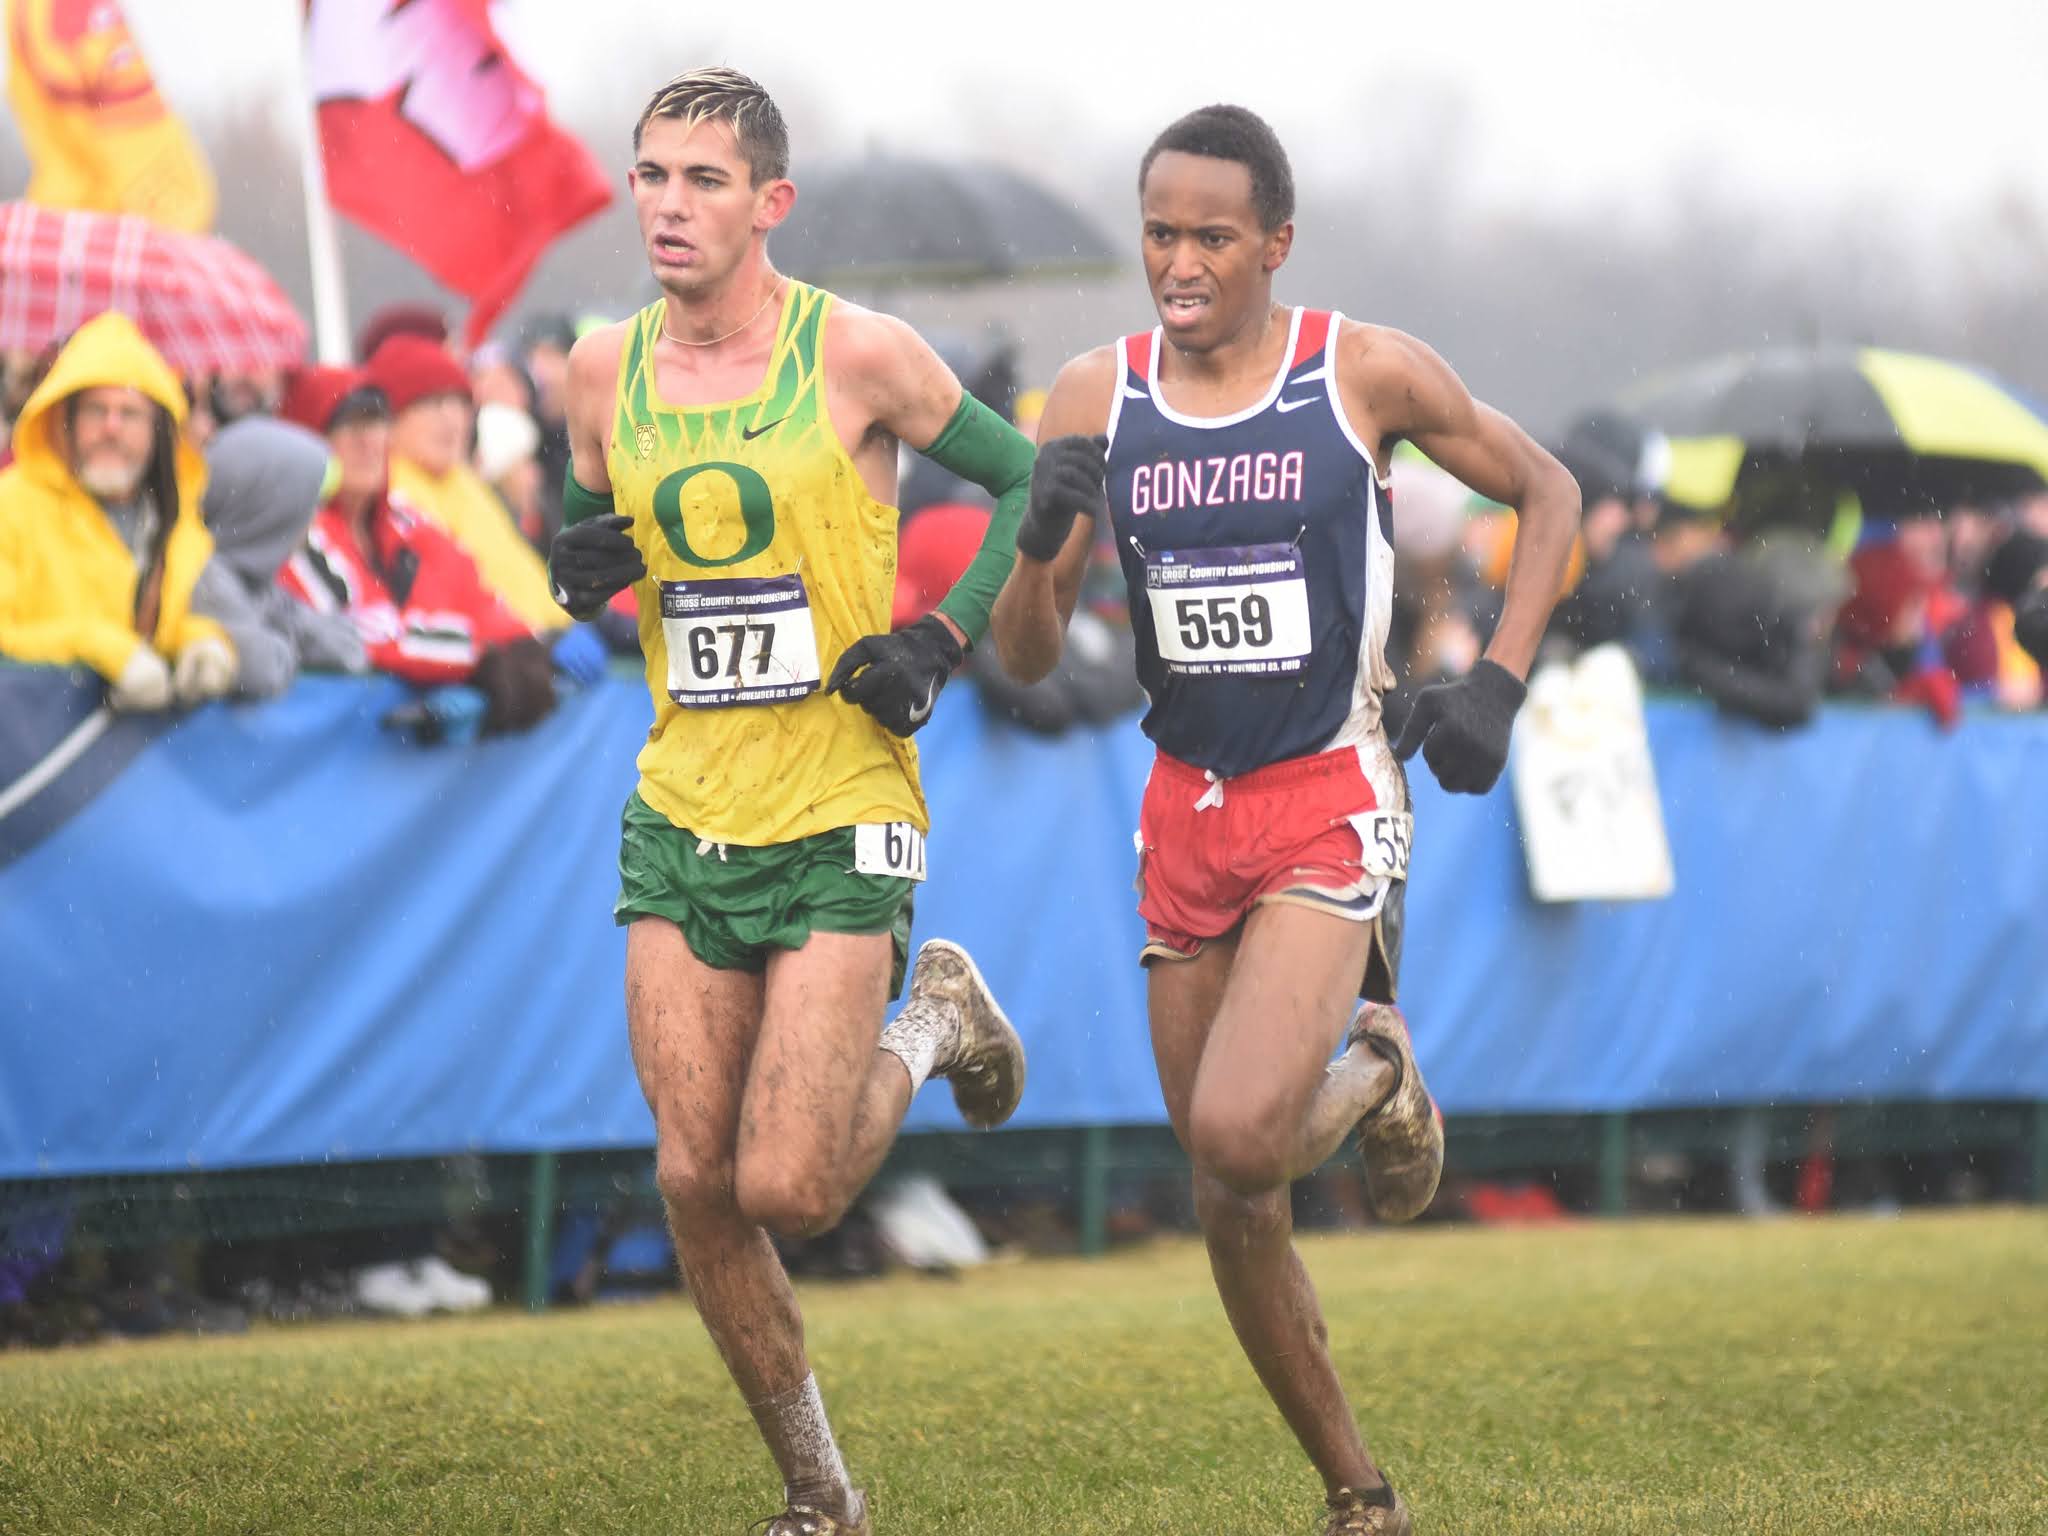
[[435, 140]]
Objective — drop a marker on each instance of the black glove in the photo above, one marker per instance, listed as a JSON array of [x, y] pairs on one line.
[[1066, 483], [1463, 727], [896, 678], [591, 562]]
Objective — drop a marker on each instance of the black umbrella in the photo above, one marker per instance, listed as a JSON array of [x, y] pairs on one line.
[[1901, 429], [886, 219]]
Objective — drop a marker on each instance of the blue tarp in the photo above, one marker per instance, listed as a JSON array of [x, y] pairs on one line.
[[279, 934]]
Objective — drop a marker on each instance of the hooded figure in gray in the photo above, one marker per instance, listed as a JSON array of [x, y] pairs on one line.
[[263, 488]]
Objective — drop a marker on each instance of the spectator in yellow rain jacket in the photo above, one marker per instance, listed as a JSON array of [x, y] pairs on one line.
[[431, 476], [101, 541]]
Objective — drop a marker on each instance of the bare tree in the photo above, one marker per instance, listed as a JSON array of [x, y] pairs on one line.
[[1544, 310]]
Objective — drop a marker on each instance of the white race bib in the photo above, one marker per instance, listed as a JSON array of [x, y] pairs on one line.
[[1386, 836], [889, 848], [1240, 612], [740, 640]]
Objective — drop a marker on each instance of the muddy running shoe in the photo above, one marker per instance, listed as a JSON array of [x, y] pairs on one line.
[[1368, 1512], [1401, 1139], [802, 1520], [985, 1063]]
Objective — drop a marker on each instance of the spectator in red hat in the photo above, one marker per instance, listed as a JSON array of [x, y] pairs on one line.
[[1885, 645], [430, 472], [402, 318], [415, 597]]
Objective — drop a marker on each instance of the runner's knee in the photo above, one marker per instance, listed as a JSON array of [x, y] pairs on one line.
[[1236, 1145], [789, 1200], [692, 1186]]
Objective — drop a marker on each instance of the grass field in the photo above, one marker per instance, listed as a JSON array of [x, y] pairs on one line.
[[1701, 1376]]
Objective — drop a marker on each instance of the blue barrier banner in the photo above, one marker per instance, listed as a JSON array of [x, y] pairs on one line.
[[280, 934]]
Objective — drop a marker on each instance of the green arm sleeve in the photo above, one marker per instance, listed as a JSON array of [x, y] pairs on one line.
[[979, 445], [579, 504]]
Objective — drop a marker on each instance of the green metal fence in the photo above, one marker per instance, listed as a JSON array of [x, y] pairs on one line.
[[1080, 1164]]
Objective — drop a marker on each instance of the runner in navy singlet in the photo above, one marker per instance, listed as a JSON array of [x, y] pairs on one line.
[[1237, 449]]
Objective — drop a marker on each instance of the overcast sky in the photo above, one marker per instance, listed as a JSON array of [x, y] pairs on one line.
[[1610, 101]]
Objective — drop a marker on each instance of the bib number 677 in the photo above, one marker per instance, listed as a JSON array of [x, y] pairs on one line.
[[707, 663]]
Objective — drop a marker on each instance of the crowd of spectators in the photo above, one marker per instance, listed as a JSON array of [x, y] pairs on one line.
[[205, 538], [1786, 594], [198, 539], [189, 539]]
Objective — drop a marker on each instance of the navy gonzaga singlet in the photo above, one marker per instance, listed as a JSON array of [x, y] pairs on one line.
[[1257, 548]]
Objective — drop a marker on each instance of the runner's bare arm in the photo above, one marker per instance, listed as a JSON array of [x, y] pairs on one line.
[[1404, 389], [592, 558], [909, 393], [593, 396], [904, 388], [1030, 620]]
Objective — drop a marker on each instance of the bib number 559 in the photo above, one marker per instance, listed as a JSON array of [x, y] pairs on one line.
[[1223, 621]]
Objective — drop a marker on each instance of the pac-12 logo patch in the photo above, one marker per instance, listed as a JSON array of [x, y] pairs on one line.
[[645, 438]]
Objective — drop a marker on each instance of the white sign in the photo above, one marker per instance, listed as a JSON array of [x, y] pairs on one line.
[[1585, 787]]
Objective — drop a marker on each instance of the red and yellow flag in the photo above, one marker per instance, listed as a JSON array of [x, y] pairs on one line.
[[98, 133]]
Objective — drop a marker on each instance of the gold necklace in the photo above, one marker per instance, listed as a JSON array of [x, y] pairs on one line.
[[670, 335]]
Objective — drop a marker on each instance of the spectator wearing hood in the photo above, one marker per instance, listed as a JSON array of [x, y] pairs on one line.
[[1618, 466], [430, 428], [1751, 626], [101, 539], [265, 481], [416, 599]]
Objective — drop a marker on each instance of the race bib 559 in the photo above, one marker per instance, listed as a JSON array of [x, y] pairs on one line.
[[1239, 611]]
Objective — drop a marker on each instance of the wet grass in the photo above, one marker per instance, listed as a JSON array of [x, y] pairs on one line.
[[1700, 1376]]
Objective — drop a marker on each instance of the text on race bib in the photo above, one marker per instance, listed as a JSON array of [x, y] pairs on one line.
[[889, 848], [1386, 836], [1229, 612], [740, 640]]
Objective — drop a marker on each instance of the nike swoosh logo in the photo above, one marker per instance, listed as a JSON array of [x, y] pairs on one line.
[[748, 434], [922, 712], [1295, 405]]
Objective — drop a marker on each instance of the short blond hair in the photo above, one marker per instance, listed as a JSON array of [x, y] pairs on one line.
[[718, 94]]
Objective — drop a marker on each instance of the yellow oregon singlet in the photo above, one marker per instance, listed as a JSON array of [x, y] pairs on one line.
[[766, 557]]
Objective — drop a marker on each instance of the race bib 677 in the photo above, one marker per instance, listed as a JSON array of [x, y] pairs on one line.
[[739, 640]]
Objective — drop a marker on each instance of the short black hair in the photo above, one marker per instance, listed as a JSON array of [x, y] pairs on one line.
[[1233, 133]]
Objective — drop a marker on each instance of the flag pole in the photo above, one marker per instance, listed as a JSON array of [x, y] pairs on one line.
[[323, 239]]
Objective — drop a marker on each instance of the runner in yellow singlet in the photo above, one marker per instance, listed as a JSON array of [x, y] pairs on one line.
[[734, 460]]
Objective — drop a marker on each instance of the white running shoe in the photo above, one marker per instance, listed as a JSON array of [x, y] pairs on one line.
[[392, 1290], [453, 1291]]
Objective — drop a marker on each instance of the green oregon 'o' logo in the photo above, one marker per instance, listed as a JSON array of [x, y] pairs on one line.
[[757, 512]]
